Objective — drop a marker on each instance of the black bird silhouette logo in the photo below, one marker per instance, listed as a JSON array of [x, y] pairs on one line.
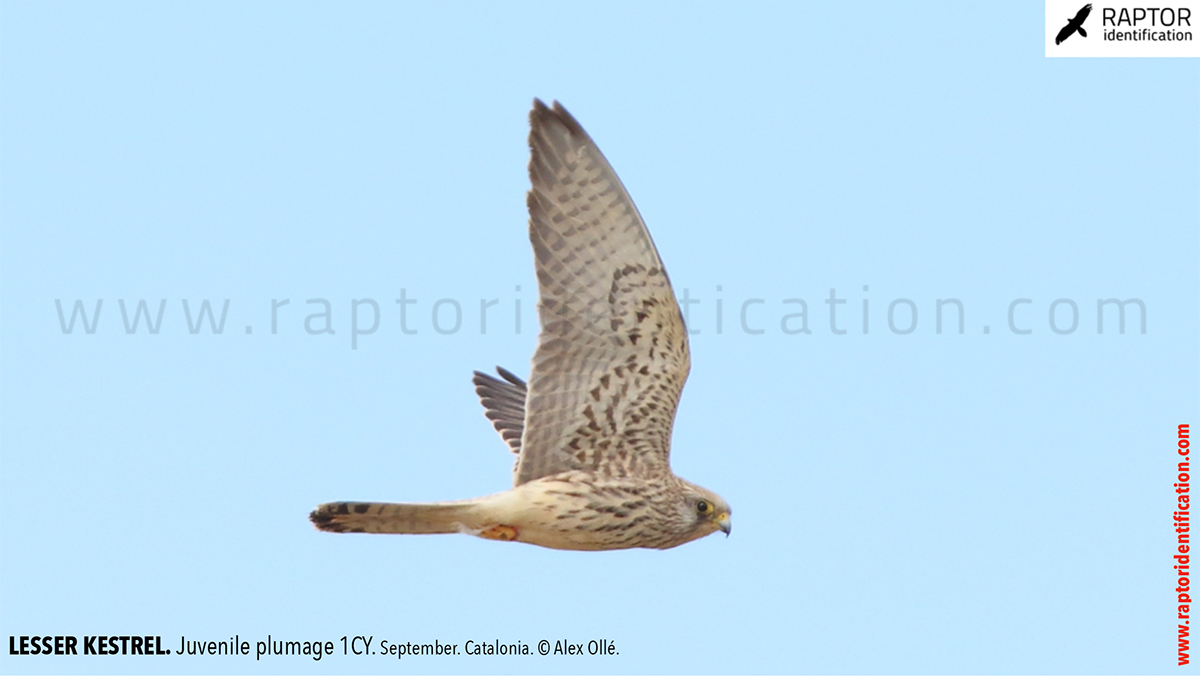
[[1075, 24]]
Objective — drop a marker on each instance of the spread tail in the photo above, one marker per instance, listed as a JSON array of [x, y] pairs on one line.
[[384, 517]]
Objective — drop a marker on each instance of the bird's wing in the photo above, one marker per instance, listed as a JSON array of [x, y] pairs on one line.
[[1064, 33], [504, 404], [1082, 15], [612, 355]]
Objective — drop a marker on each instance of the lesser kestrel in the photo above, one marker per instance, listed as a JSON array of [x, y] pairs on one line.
[[592, 430]]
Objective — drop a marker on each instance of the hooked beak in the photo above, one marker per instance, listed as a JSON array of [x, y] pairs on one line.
[[724, 524]]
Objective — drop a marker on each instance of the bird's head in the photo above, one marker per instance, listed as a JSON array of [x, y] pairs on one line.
[[705, 510]]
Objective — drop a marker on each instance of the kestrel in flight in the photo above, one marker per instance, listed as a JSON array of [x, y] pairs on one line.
[[592, 429], [1074, 24]]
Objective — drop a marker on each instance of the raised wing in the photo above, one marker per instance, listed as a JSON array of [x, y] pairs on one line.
[[1082, 15], [612, 356]]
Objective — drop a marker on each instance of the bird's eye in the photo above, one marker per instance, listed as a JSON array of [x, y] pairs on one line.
[[703, 507]]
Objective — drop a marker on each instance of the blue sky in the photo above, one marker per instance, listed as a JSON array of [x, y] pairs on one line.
[[904, 501]]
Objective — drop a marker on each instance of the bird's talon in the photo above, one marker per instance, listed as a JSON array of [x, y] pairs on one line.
[[504, 533]]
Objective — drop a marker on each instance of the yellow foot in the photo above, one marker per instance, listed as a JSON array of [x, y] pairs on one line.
[[505, 533]]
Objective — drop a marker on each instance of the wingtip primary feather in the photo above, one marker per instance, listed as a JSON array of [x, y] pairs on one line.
[[503, 404], [509, 376], [542, 116]]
